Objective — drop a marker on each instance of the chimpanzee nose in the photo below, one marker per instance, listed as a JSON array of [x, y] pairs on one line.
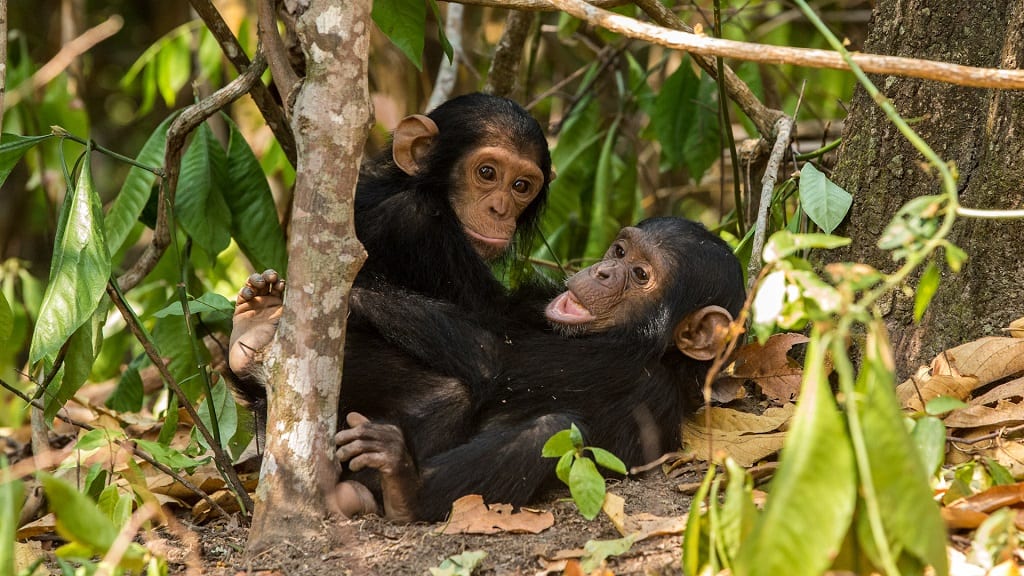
[[501, 205], [604, 270]]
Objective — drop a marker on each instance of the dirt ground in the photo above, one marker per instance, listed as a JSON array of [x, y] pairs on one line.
[[378, 547]]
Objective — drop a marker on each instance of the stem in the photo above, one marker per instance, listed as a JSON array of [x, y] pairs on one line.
[[820, 151], [990, 214], [61, 133], [726, 126]]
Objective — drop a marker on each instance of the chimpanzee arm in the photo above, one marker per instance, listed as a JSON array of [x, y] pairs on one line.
[[437, 333]]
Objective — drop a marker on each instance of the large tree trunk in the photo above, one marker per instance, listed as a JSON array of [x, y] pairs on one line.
[[331, 120], [981, 131]]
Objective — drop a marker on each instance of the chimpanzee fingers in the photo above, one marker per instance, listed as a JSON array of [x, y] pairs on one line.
[[354, 419], [374, 460]]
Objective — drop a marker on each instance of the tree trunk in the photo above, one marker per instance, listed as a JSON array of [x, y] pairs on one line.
[[331, 120], [981, 131]]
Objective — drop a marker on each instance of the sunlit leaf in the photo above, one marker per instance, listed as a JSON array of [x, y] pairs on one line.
[[926, 290], [564, 466], [599, 234], [738, 513], [1001, 476], [930, 438], [825, 203], [404, 23], [814, 491], [693, 538], [6, 320], [98, 438], [597, 551], [78, 361], [587, 487], [78, 518], [12, 148], [254, 224], [557, 445], [11, 498], [608, 460], [200, 205], [943, 404], [784, 243], [79, 270], [955, 257], [169, 456], [212, 305], [173, 67]]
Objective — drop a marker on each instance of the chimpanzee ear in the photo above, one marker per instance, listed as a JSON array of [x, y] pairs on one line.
[[700, 335], [411, 142]]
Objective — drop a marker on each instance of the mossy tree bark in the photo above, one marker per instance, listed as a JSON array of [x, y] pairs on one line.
[[331, 120], [981, 131]]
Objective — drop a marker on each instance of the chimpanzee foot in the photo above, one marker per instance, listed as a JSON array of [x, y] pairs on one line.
[[351, 499], [365, 444], [257, 312]]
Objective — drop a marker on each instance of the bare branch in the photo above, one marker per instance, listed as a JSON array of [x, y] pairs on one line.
[[784, 128], [277, 55], [501, 78]]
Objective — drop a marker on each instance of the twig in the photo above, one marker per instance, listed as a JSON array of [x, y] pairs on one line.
[[448, 72], [285, 78], [874, 63], [187, 121], [991, 214], [64, 57], [1001, 433], [220, 457], [501, 78], [784, 127], [272, 112], [126, 444]]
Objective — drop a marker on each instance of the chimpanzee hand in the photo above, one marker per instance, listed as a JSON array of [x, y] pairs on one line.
[[365, 444]]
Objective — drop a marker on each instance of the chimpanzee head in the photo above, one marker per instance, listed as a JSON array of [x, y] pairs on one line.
[[488, 156], [667, 281]]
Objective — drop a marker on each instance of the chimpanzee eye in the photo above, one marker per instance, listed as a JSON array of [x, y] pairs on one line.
[[486, 172], [618, 251], [521, 186], [641, 275]]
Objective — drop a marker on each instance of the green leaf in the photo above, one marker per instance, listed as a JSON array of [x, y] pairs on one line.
[[814, 489], [693, 537], [597, 551], [955, 257], [200, 205], [254, 223], [127, 397], [738, 510], [79, 520], [557, 445], [460, 564], [446, 45], [784, 243], [600, 234], [926, 290], [673, 112], [169, 456], [576, 436], [6, 320], [224, 404], [11, 497], [215, 306], [910, 515], [78, 361], [704, 141], [942, 404], [825, 203], [1001, 476], [404, 23], [95, 481], [564, 466], [135, 191], [114, 505], [587, 487], [173, 67], [12, 148], [930, 438], [173, 341], [98, 438], [608, 460], [79, 270]]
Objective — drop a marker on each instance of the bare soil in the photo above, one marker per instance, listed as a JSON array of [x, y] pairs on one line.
[[378, 547]]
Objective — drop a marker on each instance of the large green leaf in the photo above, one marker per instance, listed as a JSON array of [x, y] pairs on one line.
[[704, 141], [600, 234], [254, 219], [78, 359], [825, 203], [128, 204], [224, 405], [78, 273], [815, 489], [11, 496], [12, 148], [404, 22], [174, 66], [587, 487], [900, 483], [78, 518], [199, 204], [174, 342], [6, 320], [686, 121]]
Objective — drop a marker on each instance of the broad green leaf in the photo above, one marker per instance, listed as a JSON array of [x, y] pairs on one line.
[[114, 505], [942, 404], [704, 141], [576, 436], [930, 438], [135, 191], [127, 397], [600, 234], [597, 551], [783, 244], [911, 518], [173, 66], [446, 45], [672, 116], [6, 320], [564, 466], [199, 204], [608, 460], [224, 406], [587, 487], [1001, 476], [79, 520], [213, 305], [78, 273], [98, 438], [815, 488], [825, 203], [926, 290], [404, 23], [694, 536], [78, 360], [955, 257], [12, 148], [557, 445], [254, 219], [460, 565], [173, 341], [94, 482], [738, 513], [169, 456], [11, 497]]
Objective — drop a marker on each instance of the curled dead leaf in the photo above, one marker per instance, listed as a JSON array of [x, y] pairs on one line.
[[471, 516], [768, 366], [1016, 328]]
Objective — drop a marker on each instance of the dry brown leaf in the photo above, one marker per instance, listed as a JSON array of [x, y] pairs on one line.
[[962, 518], [1004, 413], [642, 525], [28, 553], [988, 359], [993, 499], [202, 511], [748, 438], [929, 388], [471, 516], [769, 367], [45, 525], [1016, 328]]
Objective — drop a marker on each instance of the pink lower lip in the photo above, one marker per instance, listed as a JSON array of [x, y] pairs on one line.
[[499, 242], [566, 309]]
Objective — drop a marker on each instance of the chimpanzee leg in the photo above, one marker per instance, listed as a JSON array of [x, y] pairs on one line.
[[257, 312]]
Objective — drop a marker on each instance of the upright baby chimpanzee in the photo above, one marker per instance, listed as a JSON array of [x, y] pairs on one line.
[[449, 195], [644, 324]]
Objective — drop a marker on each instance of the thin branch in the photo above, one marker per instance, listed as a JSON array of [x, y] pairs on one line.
[[64, 57], [877, 64], [125, 444], [784, 128], [285, 78], [187, 121], [504, 72], [271, 110], [448, 72], [990, 214], [220, 457]]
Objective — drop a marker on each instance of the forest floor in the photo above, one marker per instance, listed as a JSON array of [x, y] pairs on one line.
[[374, 546]]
